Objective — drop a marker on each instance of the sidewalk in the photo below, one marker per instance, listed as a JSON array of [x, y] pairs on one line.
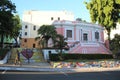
[[32, 67], [46, 67]]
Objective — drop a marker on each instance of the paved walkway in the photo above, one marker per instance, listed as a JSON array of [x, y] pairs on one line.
[[46, 67], [32, 67]]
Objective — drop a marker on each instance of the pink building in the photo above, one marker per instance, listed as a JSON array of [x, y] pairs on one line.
[[82, 37]]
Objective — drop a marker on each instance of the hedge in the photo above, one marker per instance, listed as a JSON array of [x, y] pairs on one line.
[[55, 57], [3, 53]]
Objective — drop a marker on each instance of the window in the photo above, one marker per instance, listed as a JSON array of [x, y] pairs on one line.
[[58, 18], [26, 26], [25, 40], [49, 52], [69, 34], [33, 45], [25, 33], [97, 35], [51, 18], [34, 27], [85, 37]]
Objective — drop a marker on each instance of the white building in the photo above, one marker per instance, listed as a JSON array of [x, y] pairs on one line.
[[115, 31], [32, 20]]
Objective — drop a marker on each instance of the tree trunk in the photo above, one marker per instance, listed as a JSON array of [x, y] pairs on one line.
[[46, 43], [109, 39], [16, 42], [108, 35], [60, 55], [2, 40]]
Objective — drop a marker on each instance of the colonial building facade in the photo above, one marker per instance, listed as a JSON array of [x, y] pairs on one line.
[[82, 37], [32, 20]]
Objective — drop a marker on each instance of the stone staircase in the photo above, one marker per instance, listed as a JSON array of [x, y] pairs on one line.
[[36, 58], [88, 48]]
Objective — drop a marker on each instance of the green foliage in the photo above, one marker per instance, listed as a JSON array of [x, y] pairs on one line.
[[46, 32], [115, 44], [55, 57], [60, 42], [7, 8], [15, 32], [105, 13]]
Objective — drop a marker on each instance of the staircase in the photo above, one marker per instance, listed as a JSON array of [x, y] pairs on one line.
[[90, 48], [36, 58]]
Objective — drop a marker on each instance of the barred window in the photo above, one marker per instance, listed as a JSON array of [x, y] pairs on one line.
[[34, 27], [25, 33], [52, 18], [69, 33], [26, 26], [25, 40], [58, 18], [85, 37], [97, 35], [33, 45]]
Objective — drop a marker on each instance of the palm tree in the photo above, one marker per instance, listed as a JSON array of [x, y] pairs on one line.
[[60, 43], [46, 32], [41, 41]]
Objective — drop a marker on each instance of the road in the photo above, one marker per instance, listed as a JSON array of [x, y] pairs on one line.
[[15, 75]]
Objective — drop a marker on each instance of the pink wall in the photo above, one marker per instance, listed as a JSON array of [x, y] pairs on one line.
[[102, 36], [60, 30], [75, 33]]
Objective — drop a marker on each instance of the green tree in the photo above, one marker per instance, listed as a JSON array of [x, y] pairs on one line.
[[7, 8], [105, 13], [115, 44], [80, 19], [46, 32], [15, 33], [41, 41], [60, 43]]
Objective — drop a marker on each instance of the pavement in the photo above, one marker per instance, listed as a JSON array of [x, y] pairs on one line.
[[44, 66]]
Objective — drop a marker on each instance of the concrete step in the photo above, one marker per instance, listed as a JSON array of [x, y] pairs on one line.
[[37, 56]]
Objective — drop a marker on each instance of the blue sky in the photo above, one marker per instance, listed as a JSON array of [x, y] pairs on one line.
[[77, 7]]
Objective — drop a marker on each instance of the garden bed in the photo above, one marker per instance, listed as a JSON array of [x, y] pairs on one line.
[[86, 64]]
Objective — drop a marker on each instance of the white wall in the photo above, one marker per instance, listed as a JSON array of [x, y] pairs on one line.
[[46, 52], [115, 31], [39, 18]]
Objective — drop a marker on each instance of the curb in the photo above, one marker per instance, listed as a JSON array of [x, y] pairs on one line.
[[37, 69], [33, 69]]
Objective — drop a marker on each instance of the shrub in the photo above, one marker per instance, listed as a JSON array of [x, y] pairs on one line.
[[3, 52], [55, 57]]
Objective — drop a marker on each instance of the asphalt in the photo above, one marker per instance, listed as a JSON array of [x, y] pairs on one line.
[[47, 67]]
